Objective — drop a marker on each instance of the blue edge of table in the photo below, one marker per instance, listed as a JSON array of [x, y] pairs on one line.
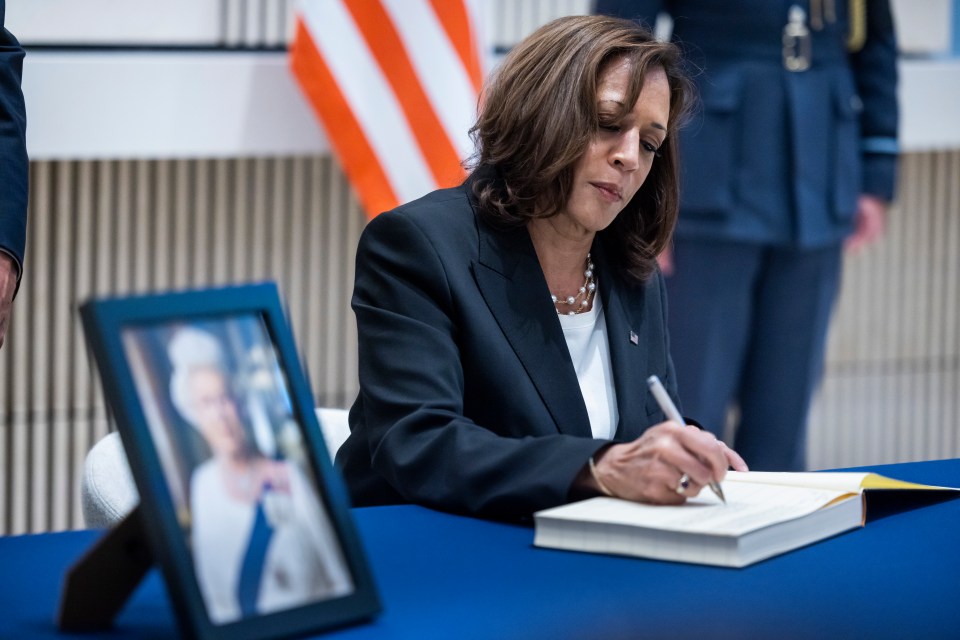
[[446, 576]]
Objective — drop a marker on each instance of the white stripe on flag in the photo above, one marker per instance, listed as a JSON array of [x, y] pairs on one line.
[[439, 68], [370, 97], [482, 14]]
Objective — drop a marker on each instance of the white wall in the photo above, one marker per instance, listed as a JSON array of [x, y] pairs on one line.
[[134, 22], [151, 22], [165, 105], [247, 104], [87, 103], [924, 27]]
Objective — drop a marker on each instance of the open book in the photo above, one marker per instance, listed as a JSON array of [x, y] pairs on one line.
[[766, 514]]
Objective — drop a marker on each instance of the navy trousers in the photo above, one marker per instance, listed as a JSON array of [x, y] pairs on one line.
[[748, 327]]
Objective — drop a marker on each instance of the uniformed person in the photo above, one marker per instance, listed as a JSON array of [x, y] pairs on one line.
[[14, 171], [793, 155]]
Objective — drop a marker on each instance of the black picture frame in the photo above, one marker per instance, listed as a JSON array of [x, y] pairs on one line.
[[126, 336]]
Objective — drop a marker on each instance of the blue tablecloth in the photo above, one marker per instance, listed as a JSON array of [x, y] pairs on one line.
[[444, 576]]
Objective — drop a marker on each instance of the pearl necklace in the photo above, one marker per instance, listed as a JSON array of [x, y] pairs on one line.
[[579, 302]]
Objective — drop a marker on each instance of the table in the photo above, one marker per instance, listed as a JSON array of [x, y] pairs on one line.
[[446, 576]]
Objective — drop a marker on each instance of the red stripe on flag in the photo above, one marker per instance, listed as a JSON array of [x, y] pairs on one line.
[[344, 131], [387, 48], [456, 22]]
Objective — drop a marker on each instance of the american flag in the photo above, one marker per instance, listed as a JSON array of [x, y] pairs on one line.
[[395, 84]]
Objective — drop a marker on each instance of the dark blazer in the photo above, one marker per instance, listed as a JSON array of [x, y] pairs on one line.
[[469, 401], [778, 156], [14, 167]]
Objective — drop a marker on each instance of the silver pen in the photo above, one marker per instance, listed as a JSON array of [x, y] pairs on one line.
[[672, 413]]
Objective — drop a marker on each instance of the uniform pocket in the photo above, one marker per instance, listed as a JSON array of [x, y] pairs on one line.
[[709, 147]]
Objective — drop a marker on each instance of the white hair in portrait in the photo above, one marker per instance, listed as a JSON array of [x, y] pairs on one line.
[[191, 349]]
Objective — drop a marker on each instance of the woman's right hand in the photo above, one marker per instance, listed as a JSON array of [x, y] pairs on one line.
[[650, 468]]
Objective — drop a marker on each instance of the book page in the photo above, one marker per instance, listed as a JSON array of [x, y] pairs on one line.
[[877, 481], [847, 481], [749, 507]]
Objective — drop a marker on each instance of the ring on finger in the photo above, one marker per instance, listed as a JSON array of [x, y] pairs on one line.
[[683, 485]]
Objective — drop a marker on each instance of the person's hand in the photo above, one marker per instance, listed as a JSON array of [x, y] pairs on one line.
[[8, 286], [649, 468], [869, 224]]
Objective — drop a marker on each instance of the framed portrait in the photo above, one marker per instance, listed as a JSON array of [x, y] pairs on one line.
[[241, 506]]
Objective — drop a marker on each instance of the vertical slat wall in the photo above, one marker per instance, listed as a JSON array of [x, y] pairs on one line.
[[891, 389], [256, 23], [891, 384], [115, 227], [512, 20]]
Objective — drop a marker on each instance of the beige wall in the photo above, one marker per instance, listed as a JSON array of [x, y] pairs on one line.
[[115, 226]]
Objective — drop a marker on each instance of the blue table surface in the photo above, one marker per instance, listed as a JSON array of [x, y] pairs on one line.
[[445, 576]]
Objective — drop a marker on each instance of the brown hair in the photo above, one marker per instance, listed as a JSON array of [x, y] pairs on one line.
[[540, 113]]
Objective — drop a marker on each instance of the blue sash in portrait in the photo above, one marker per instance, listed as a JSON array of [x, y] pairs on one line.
[[248, 588]]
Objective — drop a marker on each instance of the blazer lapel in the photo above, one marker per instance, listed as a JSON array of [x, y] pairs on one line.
[[511, 282], [628, 349]]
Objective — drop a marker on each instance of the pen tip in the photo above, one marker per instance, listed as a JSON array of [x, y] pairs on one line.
[[717, 490]]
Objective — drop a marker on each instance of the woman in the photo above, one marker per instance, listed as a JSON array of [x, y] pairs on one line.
[[507, 326], [261, 539]]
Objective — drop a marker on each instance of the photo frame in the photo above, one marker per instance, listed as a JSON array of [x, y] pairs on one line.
[[240, 504]]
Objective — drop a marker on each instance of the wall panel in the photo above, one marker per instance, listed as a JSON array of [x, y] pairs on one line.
[[891, 390], [115, 227]]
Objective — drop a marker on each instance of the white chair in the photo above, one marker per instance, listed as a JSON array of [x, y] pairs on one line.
[[335, 427], [107, 490]]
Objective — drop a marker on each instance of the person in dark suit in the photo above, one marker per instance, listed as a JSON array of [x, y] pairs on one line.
[[14, 171], [507, 326], [794, 155]]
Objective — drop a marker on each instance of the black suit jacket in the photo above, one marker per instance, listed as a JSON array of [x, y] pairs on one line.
[[469, 401], [14, 167]]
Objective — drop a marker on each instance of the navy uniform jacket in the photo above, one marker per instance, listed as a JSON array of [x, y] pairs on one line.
[[777, 156], [469, 401], [14, 168]]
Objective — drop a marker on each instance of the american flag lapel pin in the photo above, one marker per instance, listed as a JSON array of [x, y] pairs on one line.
[[634, 340]]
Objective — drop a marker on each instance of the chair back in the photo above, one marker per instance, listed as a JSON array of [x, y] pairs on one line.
[[107, 490]]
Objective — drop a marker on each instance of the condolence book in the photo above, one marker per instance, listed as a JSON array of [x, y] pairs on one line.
[[766, 514]]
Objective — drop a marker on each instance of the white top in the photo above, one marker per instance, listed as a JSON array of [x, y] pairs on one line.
[[304, 562], [586, 336]]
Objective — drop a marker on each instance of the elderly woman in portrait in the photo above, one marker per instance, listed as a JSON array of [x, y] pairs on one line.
[[261, 539], [507, 326]]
